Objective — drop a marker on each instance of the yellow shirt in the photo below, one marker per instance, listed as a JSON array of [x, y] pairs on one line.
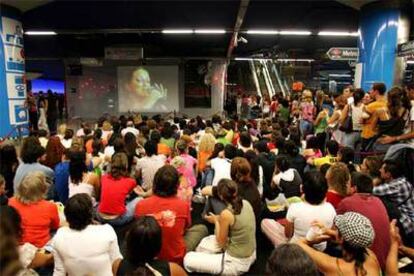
[[369, 128], [329, 159]]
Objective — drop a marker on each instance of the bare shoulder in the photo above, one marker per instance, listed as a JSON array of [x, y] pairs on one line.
[[227, 215], [177, 270]]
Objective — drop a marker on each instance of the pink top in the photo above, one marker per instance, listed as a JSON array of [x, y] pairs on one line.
[[308, 110], [188, 170], [317, 154]]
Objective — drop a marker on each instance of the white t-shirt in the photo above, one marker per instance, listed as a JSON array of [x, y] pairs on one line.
[[81, 133], [106, 133], [303, 214], [221, 167], [357, 116], [133, 130], [109, 151], [148, 167], [87, 252], [43, 141], [408, 124], [67, 143]]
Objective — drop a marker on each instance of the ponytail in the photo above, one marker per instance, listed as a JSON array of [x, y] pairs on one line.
[[359, 255], [227, 190], [236, 204]]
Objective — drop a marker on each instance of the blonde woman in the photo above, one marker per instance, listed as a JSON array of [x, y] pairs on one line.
[[39, 216], [61, 131], [308, 111], [205, 149], [106, 130]]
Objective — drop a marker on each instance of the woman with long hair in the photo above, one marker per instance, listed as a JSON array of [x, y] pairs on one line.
[[205, 150], [257, 169], [8, 166], [355, 234], [391, 120], [234, 234], [353, 108], [240, 172], [131, 146], [115, 188], [334, 120], [82, 181], [145, 233], [54, 152]]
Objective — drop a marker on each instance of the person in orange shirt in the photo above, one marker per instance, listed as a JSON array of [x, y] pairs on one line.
[[205, 149], [161, 148], [369, 127], [39, 216]]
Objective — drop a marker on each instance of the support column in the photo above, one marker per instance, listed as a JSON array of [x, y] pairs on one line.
[[12, 75], [383, 25]]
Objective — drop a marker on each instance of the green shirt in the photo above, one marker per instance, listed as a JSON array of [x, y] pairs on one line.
[[169, 142], [284, 114], [323, 124], [242, 234]]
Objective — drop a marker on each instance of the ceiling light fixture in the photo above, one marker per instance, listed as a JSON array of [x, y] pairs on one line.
[[251, 59], [40, 33], [410, 62], [295, 32], [295, 59], [337, 33], [262, 32], [340, 75], [177, 31], [210, 31]]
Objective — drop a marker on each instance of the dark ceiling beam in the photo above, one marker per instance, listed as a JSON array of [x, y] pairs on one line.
[[239, 21]]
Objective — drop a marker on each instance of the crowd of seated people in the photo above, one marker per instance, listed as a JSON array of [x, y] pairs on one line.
[[327, 181]]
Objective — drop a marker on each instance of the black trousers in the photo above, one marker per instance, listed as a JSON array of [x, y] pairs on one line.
[[33, 120]]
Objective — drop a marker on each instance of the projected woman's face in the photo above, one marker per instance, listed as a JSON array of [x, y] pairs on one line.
[[140, 82]]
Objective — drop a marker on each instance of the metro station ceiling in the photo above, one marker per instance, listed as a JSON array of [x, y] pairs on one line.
[[85, 27]]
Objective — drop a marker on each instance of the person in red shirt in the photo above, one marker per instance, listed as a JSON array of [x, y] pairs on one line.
[[115, 187], [38, 215], [173, 215], [337, 177], [370, 206]]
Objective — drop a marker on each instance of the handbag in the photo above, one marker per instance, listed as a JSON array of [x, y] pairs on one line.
[[347, 126]]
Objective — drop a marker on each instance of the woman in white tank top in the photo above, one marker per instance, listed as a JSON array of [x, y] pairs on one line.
[[80, 181]]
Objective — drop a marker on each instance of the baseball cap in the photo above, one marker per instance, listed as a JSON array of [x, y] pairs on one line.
[[355, 229]]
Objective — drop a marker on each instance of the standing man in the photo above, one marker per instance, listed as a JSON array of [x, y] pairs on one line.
[[32, 108], [369, 127], [51, 112]]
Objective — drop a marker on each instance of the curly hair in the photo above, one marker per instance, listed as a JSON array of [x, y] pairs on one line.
[[33, 188], [397, 99]]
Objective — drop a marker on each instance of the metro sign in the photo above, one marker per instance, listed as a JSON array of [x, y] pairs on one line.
[[341, 53]]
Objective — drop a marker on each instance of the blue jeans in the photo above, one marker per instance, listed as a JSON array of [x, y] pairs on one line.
[[305, 128], [351, 139], [127, 217]]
